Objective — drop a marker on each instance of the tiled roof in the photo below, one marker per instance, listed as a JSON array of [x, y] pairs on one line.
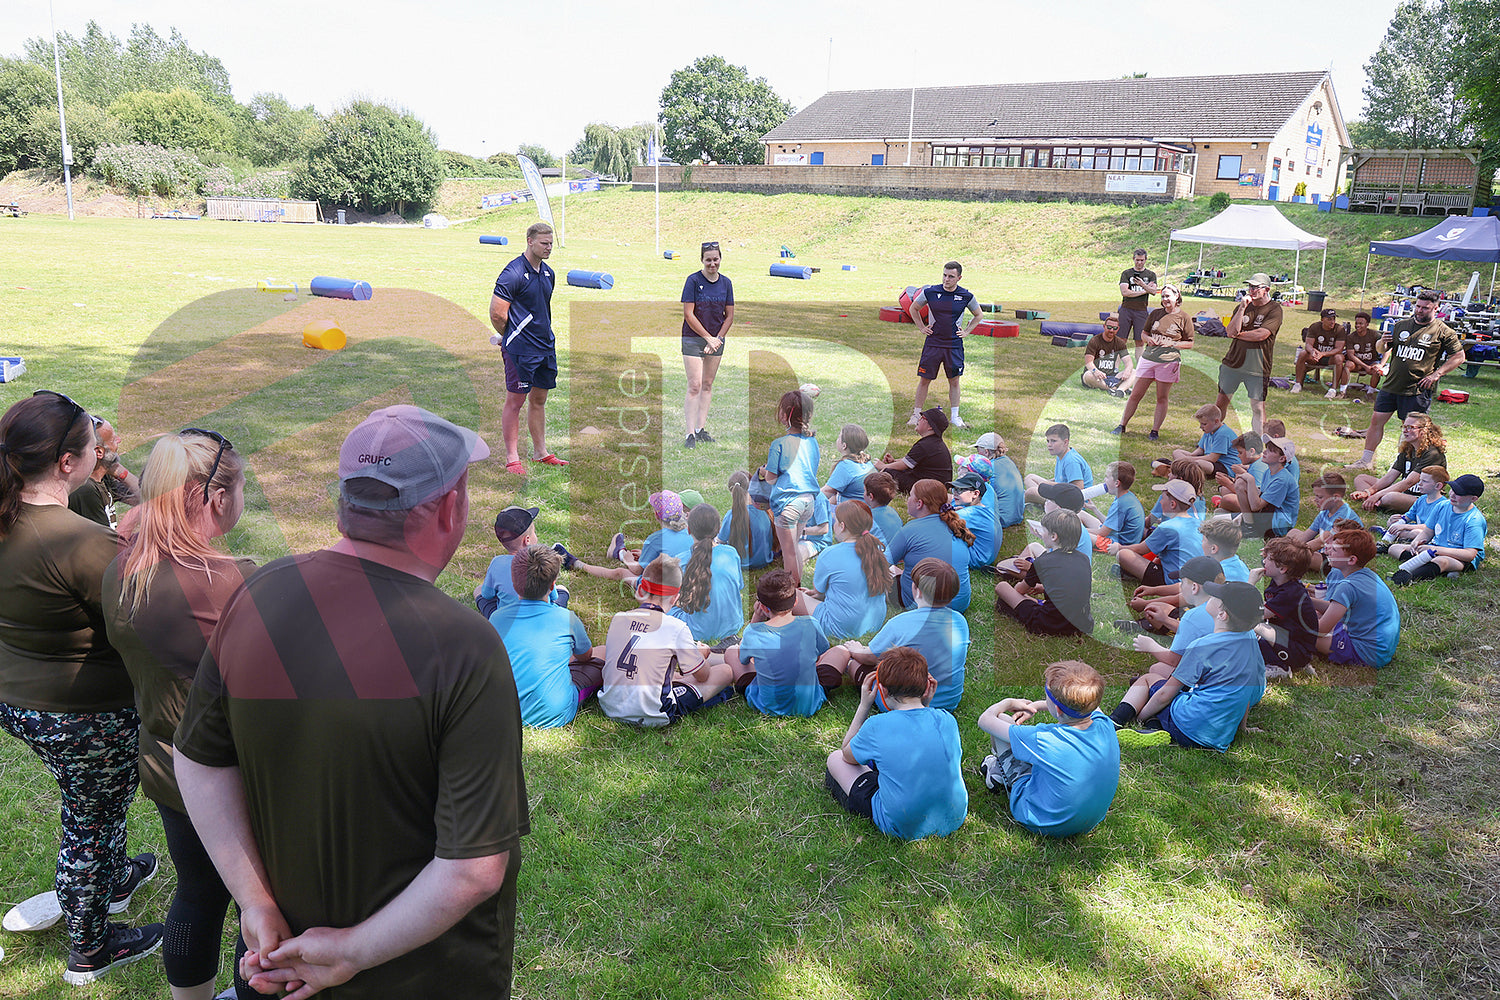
[[1249, 105]]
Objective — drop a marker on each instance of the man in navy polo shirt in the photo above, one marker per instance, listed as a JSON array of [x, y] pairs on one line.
[[521, 313], [944, 346]]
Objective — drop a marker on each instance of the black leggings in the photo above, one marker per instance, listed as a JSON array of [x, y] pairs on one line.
[[195, 921]]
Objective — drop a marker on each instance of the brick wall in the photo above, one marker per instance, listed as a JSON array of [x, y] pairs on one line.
[[966, 183]]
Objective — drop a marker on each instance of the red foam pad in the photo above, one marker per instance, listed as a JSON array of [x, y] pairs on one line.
[[891, 314], [996, 328], [906, 300]]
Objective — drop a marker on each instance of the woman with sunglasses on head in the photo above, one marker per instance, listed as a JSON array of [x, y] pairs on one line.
[[62, 687], [707, 315], [163, 596]]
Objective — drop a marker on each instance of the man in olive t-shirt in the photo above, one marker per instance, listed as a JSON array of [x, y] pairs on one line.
[[1252, 342], [109, 483], [1423, 350], [350, 752]]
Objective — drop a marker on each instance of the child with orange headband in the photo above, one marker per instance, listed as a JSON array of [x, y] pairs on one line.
[[654, 673]]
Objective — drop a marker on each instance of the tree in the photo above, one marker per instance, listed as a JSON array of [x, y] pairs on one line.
[[611, 150], [89, 127], [715, 112], [371, 157], [100, 69], [1476, 54], [537, 154], [1412, 99], [179, 119], [24, 87], [277, 132]]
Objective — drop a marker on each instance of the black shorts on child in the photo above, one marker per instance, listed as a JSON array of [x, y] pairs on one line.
[[860, 796]]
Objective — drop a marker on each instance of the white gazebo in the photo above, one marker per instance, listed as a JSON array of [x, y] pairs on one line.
[[1260, 226]]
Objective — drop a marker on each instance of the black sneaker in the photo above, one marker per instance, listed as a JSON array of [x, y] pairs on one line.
[[1401, 578], [691, 441], [142, 870], [123, 946], [703, 436], [1152, 436], [1129, 626], [569, 559]]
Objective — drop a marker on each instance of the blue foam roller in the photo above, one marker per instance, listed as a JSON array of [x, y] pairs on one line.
[[1060, 328], [791, 271], [591, 279], [669, 254], [849, 267], [495, 241], [341, 288]]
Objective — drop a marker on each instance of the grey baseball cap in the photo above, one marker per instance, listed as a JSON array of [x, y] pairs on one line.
[[416, 452]]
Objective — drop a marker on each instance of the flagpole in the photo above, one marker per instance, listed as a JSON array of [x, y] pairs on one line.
[[62, 118], [563, 236], [656, 159]]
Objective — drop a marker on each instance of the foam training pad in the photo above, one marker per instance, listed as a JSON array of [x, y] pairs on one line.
[[1059, 328]]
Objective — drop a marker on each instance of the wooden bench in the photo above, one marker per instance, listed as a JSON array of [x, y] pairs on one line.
[[13, 210], [1448, 202]]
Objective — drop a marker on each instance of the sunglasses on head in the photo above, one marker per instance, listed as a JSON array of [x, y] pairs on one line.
[[78, 411], [224, 446]]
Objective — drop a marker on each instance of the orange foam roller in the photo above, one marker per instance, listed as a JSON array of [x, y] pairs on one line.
[[324, 334]]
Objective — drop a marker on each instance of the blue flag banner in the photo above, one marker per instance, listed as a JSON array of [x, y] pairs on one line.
[[652, 155], [538, 190], [504, 198]]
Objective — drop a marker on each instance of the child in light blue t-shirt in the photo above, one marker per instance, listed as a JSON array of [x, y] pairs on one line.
[[1270, 508], [776, 662], [1248, 447], [1215, 449], [847, 480], [1125, 521], [746, 528], [851, 579], [1005, 480], [791, 470], [901, 768], [712, 597], [880, 490], [1060, 777], [933, 628], [1068, 466], [1328, 496], [968, 497], [1358, 622], [515, 528], [1205, 700], [550, 653]]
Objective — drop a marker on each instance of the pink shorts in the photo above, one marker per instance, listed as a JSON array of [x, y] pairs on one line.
[[1160, 371]]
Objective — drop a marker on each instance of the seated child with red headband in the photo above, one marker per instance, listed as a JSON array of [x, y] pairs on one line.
[[654, 672]]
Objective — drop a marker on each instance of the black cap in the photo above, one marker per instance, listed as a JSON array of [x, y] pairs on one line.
[[1065, 495], [1241, 600], [1200, 569], [512, 522], [936, 419], [1468, 484]]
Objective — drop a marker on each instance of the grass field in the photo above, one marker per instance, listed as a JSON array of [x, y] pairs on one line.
[[1350, 849]]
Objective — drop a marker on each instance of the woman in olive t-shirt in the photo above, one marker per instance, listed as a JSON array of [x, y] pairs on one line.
[[162, 598], [62, 687], [1422, 444], [1169, 330]]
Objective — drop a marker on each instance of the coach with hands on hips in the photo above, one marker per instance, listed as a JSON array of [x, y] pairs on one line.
[[521, 313], [944, 346], [707, 315]]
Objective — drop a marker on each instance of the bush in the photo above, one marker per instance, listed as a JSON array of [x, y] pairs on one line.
[[461, 165], [505, 163], [178, 119], [373, 158], [1218, 202], [150, 170], [267, 184]]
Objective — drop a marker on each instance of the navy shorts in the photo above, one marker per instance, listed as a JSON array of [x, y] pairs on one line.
[[685, 698], [1402, 406], [533, 371], [951, 359], [1164, 719], [1133, 323]]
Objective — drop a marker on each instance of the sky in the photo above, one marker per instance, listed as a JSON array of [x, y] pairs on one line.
[[486, 77]]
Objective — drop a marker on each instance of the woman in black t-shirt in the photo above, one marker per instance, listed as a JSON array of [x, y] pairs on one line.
[[707, 315], [1422, 444]]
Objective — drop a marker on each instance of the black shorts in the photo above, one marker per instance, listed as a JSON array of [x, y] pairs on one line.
[[1402, 406], [685, 698], [860, 796], [531, 371], [697, 347], [951, 359], [1133, 323], [1039, 617]]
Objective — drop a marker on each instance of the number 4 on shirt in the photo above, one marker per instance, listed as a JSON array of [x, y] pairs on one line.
[[625, 662]]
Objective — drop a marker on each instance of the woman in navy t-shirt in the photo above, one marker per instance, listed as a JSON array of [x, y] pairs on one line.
[[707, 315]]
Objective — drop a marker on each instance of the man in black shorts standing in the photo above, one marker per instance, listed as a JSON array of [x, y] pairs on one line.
[[1252, 341], [944, 347], [350, 751], [1137, 285], [1417, 345], [521, 313]]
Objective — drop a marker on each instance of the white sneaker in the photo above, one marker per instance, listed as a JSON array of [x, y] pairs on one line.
[[913, 421], [1296, 387], [958, 422], [1331, 394], [1278, 674], [989, 767]]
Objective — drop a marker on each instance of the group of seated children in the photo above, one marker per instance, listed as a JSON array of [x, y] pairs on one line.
[[899, 764]]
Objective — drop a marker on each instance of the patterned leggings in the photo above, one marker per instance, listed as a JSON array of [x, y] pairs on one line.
[[93, 756]]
